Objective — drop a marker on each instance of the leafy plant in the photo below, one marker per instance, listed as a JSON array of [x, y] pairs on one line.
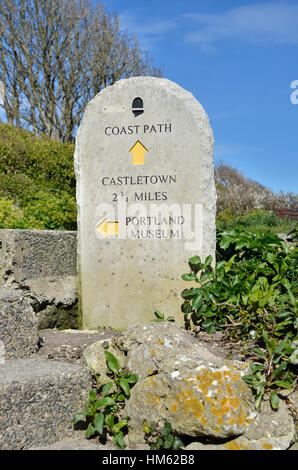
[[250, 295], [103, 413], [161, 439], [273, 372], [160, 317]]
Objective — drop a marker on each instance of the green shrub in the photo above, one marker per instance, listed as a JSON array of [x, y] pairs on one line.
[[252, 221], [37, 177], [250, 295], [10, 214], [52, 211]]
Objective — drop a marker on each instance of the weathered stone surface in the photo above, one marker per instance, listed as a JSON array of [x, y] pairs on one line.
[[42, 264], [95, 359], [2, 352], [76, 444], [184, 382], [140, 219], [38, 400], [18, 325]]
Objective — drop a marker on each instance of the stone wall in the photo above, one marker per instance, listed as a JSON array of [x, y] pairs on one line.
[[43, 265]]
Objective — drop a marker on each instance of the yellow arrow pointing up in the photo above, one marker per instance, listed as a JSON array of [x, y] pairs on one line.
[[138, 153], [106, 228]]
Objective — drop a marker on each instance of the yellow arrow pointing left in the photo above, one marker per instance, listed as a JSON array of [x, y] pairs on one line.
[[106, 228]]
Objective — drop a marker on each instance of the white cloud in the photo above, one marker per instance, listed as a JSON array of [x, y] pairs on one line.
[[227, 149], [261, 22], [149, 31]]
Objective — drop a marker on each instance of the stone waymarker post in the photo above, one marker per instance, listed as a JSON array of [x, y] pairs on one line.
[[146, 200]]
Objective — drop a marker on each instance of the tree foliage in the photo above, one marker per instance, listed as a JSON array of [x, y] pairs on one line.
[[56, 55], [239, 195]]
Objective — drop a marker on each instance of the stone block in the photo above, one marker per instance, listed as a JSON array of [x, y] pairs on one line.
[[18, 325], [43, 265], [38, 400]]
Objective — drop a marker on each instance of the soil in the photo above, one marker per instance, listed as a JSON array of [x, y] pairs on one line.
[[68, 345]]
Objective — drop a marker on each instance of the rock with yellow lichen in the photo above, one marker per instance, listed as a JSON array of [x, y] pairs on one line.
[[192, 385], [184, 382], [269, 430]]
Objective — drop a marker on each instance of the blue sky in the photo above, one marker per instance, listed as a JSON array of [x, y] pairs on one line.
[[238, 58]]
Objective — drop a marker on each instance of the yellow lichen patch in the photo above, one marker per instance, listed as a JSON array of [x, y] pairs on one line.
[[204, 421], [206, 378], [160, 341], [267, 446], [217, 375], [229, 390], [236, 377], [173, 408], [191, 404], [241, 417], [149, 371], [234, 402], [232, 445], [152, 399], [235, 445], [153, 352], [231, 421]]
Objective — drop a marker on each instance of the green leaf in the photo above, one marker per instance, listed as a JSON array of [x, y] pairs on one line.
[[121, 397], [87, 409], [159, 315], [274, 400], [189, 277], [90, 431], [98, 422], [195, 260], [168, 442], [271, 258], [132, 379], [282, 383], [92, 395], [167, 429], [279, 370], [125, 386], [281, 346], [195, 263], [107, 388], [208, 260], [109, 420], [121, 424], [112, 362], [258, 400], [119, 441], [189, 293], [177, 444], [171, 319], [259, 353], [106, 401], [196, 301]]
